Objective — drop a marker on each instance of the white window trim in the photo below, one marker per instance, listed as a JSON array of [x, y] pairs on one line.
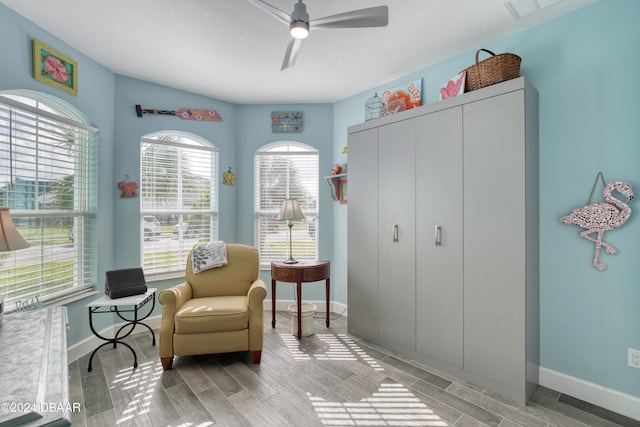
[[205, 146], [85, 257], [271, 150]]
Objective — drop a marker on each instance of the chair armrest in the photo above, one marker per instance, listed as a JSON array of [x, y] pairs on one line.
[[171, 299], [257, 293]]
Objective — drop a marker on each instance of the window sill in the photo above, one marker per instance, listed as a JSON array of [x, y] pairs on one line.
[[156, 277], [65, 299]]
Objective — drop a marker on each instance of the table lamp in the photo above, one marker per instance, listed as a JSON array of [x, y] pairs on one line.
[[291, 212], [10, 240]]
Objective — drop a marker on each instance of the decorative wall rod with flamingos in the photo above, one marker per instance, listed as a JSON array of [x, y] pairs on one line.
[[601, 217]]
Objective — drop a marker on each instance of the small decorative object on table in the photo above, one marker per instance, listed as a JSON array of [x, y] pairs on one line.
[[337, 169], [124, 283], [495, 69]]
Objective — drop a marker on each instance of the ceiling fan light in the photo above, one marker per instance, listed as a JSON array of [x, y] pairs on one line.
[[299, 30]]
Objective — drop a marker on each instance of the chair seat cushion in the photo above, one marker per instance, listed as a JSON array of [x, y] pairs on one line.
[[212, 314]]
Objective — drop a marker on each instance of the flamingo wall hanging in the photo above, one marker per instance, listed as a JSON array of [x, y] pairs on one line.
[[600, 217]]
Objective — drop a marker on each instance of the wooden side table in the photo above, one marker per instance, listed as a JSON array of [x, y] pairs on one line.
[[299, 273]]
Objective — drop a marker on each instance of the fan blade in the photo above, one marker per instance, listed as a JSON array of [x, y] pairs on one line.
[[292, 52], [273, 11], [370, 17]]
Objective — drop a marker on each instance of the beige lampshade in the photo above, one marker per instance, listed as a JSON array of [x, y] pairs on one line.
[[290, 210], [10, 239]]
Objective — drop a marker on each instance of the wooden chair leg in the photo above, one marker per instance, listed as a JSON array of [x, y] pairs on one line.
[[167, 362], [256, 355]]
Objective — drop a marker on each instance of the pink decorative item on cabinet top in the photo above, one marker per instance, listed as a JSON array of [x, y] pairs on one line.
[[601, 217], [453, 87]]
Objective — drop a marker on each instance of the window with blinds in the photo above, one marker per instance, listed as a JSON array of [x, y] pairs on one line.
[[286, 171], [179, 199], [48, 180]]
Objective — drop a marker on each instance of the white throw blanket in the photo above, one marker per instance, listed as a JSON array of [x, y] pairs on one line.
[[209, 255]]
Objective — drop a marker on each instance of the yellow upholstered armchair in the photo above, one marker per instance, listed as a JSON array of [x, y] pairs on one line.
[[218, 310]]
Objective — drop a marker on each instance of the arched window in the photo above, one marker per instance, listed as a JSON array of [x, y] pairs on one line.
[[178, 198], [48, 180], [286, 170]]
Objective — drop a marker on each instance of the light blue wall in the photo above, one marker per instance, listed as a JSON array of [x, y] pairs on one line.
[[130, 128], [583, 66]]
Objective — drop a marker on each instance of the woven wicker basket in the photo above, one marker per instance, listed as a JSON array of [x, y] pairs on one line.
[[495, 69]]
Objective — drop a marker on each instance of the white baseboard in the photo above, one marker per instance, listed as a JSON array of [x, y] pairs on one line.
[[87, 345], [607, 398]]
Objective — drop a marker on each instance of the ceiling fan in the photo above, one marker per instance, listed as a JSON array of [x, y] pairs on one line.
[[300, 25]]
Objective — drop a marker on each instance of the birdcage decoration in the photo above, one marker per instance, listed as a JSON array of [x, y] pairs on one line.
[[373, 107]]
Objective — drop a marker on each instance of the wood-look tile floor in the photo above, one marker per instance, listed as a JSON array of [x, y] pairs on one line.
[[327, 379]]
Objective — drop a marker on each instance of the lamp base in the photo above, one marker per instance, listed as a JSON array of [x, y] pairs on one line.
[[291, 261]]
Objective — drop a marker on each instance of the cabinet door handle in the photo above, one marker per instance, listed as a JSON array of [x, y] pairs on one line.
[[395, 233], [438, 237]]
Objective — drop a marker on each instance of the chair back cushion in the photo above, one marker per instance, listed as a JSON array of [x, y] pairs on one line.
[[235, 278]]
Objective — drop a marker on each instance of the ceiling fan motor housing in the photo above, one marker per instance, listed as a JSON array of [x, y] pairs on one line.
[[299, 26], [299, 13]]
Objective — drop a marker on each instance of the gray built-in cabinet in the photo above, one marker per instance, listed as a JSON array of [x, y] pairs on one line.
[[443, 236]]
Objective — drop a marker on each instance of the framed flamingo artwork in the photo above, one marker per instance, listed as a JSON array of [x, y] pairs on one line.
[[55, 69]]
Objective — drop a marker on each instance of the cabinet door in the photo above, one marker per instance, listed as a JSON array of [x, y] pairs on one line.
[[494, 241], [439, 274], [362, 223], [396, 233]]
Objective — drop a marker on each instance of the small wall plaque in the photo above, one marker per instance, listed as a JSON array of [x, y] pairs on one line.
[[286, 121]]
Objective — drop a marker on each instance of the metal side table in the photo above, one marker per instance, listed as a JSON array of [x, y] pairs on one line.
[[120, 307]]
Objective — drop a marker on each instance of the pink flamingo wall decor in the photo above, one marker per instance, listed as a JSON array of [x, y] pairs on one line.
[[601, 217]]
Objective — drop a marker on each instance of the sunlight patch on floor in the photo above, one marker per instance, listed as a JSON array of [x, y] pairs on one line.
[[143, 380], [392, 405], [334, 348]]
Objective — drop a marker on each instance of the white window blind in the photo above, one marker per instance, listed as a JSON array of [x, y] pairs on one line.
[[48, 180], [286, 171], [179, 200]]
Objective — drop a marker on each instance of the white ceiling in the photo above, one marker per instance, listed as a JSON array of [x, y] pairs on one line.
[[232, 51]]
